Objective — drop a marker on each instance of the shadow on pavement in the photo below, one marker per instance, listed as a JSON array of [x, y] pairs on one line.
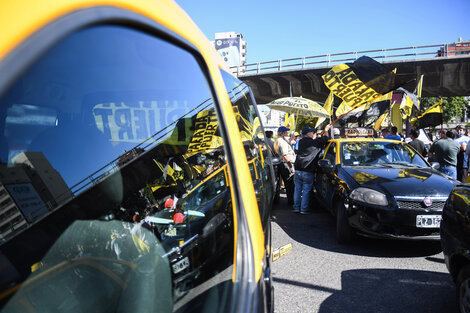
[[389, 290], [318, 228]]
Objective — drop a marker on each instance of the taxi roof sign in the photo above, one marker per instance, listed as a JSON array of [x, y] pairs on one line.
[[359, 132]]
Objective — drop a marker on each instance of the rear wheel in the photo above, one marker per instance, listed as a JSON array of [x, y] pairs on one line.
[[344, 232], [463, 289]]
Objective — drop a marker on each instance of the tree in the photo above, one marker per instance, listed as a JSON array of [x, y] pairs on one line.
[[451, 106]]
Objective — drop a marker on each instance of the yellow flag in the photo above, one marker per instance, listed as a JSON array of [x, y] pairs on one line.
[[419, 87], [328, 106], [292, 121], [380, 121], [360, 82], [342, 109], [406, 106], [286, 120], [204, 135]]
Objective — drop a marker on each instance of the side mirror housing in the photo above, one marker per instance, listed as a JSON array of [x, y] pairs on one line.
[[325, 164]]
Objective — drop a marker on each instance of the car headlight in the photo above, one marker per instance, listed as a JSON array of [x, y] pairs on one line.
[[369, 196]]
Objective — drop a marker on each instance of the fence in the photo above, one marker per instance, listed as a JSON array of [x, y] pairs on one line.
[[328, 60]]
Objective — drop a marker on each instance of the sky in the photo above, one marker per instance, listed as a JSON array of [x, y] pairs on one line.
[[277, 30]]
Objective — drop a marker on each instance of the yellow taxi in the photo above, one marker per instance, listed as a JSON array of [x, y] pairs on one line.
[[380, 188], [134, 173]]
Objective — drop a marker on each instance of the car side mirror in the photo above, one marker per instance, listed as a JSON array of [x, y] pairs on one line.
[[325, 164], [435, 165]]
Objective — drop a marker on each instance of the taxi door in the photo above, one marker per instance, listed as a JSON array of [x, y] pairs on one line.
[[121, 154], [324, 178]]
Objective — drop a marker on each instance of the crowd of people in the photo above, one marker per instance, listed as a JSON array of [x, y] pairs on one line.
[[449, 149], [299, 154]]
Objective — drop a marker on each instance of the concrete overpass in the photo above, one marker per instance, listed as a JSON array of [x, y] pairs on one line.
[[446, 76]]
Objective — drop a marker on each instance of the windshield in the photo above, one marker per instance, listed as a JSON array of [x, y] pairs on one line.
[[370, 153]]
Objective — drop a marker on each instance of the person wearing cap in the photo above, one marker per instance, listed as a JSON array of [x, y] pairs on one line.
[[309, 149], [287, 155]]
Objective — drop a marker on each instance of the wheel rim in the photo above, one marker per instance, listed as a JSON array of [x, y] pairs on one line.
[[464, 296]]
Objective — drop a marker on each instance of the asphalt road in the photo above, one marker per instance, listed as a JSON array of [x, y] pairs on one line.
[[369, 275]]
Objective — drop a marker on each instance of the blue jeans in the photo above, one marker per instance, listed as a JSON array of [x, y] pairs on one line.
[[303, 182], [449, 170]]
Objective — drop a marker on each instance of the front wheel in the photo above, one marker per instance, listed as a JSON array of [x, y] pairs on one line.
[[463, 289], [344, 232]]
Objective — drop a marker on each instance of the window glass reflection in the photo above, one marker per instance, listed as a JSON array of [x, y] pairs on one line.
[[254, 141], [113, 177]]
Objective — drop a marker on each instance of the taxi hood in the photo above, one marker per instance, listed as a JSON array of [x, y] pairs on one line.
[[402, 180]]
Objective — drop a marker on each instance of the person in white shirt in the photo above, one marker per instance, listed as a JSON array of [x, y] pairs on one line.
[[287, 155]]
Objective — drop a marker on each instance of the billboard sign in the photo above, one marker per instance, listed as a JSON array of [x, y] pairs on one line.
[[229, 49], [27, 200]]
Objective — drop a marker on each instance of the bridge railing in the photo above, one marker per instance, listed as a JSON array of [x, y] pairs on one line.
[[329, 60]]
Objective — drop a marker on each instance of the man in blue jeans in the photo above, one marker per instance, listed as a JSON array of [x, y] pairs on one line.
[[307, 156], [445, 152]]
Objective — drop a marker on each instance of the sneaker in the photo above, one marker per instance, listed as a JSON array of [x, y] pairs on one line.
[[304, 212], [295, 211]]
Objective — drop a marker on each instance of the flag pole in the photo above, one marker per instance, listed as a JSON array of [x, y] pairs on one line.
[[332, 123]]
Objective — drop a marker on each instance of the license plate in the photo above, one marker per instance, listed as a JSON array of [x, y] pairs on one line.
[[180, 265], [428, 221]]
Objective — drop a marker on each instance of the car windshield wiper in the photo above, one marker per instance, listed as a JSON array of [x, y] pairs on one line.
[[401, 163]]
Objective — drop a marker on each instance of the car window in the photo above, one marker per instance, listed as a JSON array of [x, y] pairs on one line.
[[254, 141], [114, 180], [331, 153], [369, 153]]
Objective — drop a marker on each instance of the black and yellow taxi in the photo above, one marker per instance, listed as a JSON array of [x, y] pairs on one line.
[[380, 188], [134, 170]]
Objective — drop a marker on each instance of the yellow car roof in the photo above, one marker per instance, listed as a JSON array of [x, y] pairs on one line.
[[20, 19]]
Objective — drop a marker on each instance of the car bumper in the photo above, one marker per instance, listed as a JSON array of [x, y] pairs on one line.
[[390, 222]]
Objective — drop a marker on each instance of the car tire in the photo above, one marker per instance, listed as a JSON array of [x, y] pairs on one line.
[[463, 289], [344, 232]]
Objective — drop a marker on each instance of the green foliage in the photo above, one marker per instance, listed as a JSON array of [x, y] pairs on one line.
[[451, 106]]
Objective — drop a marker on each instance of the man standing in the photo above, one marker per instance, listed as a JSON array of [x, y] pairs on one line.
[[416, 143], [270, 141], [445, 152], [394, 135], [462, 156], [286, 169], [309, 149]]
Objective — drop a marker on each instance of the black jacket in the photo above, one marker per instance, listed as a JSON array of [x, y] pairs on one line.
[[309, 150]]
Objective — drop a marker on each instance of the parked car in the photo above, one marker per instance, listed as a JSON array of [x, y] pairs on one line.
[[455, 241], [380, 188], [108, 114]]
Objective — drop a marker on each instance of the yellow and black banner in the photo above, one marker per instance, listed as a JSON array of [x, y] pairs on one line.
[[363, 81], [431, 117], [419, 87], [409, 102], [380, 121], [205, 127], [366, 114]]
